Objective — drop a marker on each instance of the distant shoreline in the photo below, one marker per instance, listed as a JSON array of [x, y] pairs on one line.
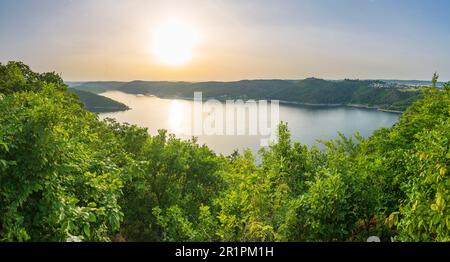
[[286, 102], [346, 105], [377, 95]]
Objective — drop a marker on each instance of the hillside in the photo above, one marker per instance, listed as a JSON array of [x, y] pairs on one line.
[[307, 91], [96, 87], [97, 103]]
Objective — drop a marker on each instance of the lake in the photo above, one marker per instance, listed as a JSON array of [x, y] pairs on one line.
[[306, 123]]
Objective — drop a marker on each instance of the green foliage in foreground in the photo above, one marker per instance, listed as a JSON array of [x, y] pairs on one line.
[[67, 176]]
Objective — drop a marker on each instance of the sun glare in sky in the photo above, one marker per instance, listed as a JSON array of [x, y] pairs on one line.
[[217, 40], [174, 42]]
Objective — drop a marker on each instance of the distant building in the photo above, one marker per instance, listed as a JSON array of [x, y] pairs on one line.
[[393, 85]]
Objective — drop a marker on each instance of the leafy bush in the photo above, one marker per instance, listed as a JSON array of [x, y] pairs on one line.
[[67, 176]]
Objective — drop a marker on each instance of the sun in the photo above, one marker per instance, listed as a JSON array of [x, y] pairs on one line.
[[174, 42]]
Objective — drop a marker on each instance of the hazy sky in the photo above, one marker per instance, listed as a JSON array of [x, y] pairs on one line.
[[242, 39]]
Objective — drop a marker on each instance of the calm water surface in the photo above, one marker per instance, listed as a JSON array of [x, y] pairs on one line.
[[307, 124]]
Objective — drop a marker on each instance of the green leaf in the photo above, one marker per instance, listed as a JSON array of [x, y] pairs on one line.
[[87, 230], [92, 218]]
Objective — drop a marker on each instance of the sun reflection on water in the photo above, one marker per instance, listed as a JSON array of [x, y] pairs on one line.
[[178, 114]]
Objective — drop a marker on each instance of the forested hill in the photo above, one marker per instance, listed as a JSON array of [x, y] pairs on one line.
[[97, 103], [16, 76], [370, 93]]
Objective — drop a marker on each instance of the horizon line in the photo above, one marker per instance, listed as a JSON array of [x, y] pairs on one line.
[[253, 79]]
